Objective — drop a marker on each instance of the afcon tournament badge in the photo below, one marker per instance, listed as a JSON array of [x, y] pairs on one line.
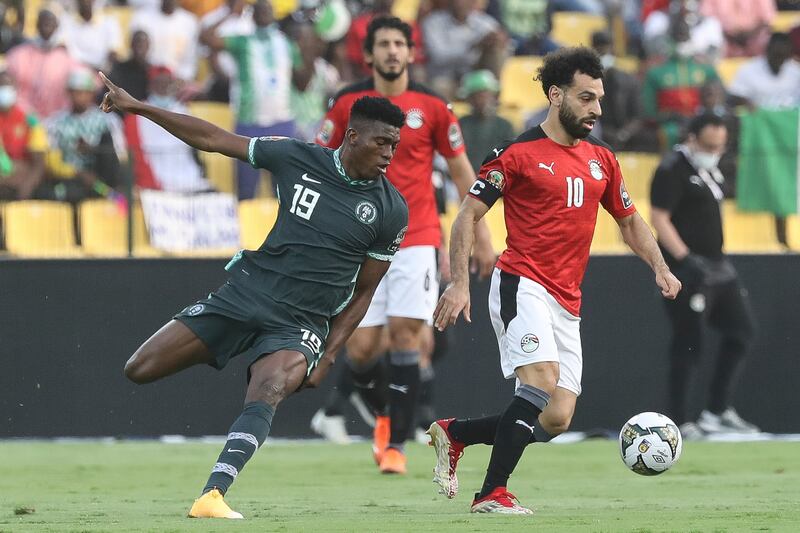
[[325, 132], [595, 169], [414, 119], [454, 136], [529, 343], [626, 198], [496, 179], [366, 212]]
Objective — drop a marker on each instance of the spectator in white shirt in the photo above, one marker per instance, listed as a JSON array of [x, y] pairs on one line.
[[237, 17], [769, 81], [173, 35], [92, 37]]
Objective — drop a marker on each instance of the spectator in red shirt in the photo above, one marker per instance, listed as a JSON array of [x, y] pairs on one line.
[[22, 145]]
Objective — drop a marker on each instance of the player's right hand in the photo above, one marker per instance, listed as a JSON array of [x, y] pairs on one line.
[[454, 301], [116, 98]]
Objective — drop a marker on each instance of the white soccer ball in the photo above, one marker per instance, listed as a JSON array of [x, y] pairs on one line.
[[650, 443]]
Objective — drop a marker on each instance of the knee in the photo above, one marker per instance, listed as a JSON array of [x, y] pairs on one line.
[[542, 375], [406, 335], [268, 390], [556, 424]]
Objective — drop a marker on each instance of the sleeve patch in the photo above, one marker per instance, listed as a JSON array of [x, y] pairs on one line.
[[627, 201], [454, 136], [325, 132], [496, 178]]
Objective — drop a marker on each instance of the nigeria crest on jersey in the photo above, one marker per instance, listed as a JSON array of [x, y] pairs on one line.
[[366, 212]]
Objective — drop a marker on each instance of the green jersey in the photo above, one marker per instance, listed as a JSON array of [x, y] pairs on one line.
[[327, 224]]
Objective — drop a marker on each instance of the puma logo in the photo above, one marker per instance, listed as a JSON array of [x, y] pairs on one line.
[[497, 151], [548, 167], [522, 422]]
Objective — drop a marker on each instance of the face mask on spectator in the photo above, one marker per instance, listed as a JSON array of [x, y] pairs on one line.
[[8, 96], [705, 160], [163, 101], [607, 60]]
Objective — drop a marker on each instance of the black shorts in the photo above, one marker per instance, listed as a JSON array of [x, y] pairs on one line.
[[236, 321]]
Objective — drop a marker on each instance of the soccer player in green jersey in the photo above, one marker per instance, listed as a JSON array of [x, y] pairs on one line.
[[289, 306]]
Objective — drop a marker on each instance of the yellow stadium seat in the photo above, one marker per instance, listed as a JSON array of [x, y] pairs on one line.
[[446, 220], [746, 231], [256, 218], [518, 89], [607, 238], [36, 228], [637, 170], [220, 169], [495, 219], [104, 230], [629, 64], [793, 232], [785, 20], [575, 28], [406, 9], [643, 208], [283, 8], [123, 14], [727, 68]]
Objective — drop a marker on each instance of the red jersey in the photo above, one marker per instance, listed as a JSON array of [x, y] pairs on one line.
[[550, 195], [430, 126]]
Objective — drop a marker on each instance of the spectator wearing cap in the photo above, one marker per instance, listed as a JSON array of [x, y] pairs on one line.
[[482, 128], [160, 160], [132, 74], [621, 122], [40, 69], [22, 145], [86, 146], [260, 92]]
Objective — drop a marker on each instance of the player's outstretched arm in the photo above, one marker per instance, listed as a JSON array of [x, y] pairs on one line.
[[483, 255], [343, 324], [455, 298], [639, 238], [195, 132]]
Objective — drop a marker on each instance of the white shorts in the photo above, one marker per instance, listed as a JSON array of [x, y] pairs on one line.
[[408, 290], [532, 327]]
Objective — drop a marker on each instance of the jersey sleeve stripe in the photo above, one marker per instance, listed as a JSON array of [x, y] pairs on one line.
[[251, 149], [380, 257]]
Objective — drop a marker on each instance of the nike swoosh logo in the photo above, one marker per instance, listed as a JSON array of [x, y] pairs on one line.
[[399, 388], [237, 451], [305, 177]]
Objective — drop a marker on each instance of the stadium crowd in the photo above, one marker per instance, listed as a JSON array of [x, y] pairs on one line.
[[276, 64]]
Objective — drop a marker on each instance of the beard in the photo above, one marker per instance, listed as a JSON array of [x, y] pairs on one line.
[[389, 76], [572, 124]]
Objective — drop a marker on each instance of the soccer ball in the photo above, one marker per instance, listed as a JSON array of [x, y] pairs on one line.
[[650, 443]]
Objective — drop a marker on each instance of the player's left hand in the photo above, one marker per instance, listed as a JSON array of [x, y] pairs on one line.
[[670, 285], [318, 374], [483, 258]]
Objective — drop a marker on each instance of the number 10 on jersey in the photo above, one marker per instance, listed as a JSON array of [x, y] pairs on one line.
[[574, 192]]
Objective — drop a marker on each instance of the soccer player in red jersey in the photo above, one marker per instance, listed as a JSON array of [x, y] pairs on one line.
[[406, 299], [552, 179]]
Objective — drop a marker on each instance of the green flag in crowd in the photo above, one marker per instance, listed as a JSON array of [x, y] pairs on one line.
[[769, 161]]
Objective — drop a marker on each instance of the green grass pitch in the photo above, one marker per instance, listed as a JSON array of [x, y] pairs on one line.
[[149, 486]]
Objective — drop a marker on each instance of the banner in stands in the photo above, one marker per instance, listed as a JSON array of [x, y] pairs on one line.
[[180, 222]]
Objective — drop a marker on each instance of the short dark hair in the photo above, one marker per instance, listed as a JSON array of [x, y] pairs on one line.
[[559, 67], [779, 37], [704, 120], [377, 108], [379, 23]]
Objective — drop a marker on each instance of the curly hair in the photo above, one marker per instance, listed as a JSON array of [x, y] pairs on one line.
[[376, 108], [559, 67], [386, 22]]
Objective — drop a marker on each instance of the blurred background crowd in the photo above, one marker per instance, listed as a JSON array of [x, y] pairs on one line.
[[269, 67]]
